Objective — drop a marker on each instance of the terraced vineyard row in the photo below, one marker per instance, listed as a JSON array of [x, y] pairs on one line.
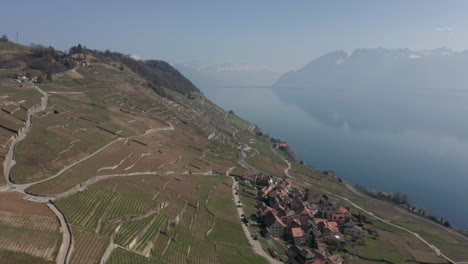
[[31, 222], [151, 233], [122, 256], [33, 242], [87, 208], [129, 230], [88, 247]]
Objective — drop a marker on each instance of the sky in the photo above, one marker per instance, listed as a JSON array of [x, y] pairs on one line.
[[276, 35]]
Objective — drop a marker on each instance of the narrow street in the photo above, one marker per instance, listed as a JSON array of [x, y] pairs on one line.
[[256, 246]]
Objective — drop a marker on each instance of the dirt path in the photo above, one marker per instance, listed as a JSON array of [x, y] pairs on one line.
[[64, 251], [22, 187], [286, 171]]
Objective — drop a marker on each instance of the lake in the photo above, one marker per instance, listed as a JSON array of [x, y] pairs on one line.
[[432, 170]]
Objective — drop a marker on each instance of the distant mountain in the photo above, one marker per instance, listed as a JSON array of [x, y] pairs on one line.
[[384, 89], [209, 76]]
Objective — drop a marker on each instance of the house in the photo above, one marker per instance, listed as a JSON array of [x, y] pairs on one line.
[[264, 181], [326, 227], [297, 236], [274, 226], [277, 196], [334, 239], [350, 228], [282, 146], [297, 255], [341, 216], [324, 206], [335, 259], [21, 77]]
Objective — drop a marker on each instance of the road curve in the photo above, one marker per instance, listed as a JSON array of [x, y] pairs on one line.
[[64, 251], [63, 255], [286, 171]]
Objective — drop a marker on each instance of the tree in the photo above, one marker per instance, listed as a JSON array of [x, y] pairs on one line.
[[40, 79], [383, 195], [4, 38]]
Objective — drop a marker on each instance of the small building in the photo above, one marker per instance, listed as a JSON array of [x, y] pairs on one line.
[[297, 236], [263, 181], [297, 255], [274, 226], [351, 229], [335, 259], [326, 227], [341, 216]]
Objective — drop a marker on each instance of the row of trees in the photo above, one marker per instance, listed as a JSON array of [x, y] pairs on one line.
[[49, 60], [402, 199]]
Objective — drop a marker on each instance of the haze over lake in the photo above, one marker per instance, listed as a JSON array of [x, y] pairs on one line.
[[431, 169]]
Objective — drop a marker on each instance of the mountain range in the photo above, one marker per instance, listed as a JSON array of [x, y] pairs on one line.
[[383, 90]]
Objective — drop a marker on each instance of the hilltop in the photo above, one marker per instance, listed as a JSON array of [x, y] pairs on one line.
[[107, 159]]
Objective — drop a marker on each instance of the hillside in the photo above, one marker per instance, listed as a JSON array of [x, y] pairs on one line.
[[122, 161]]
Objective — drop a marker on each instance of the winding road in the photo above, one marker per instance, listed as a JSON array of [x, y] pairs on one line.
[[434, 248], [286, 171], [64, 253]]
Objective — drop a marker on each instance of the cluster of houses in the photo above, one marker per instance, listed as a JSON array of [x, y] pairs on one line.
[[310, 222]]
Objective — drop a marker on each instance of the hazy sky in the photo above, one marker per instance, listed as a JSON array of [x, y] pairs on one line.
[[280, 35]]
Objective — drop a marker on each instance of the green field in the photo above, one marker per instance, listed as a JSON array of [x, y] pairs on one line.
[[378, 250], [122, 256]]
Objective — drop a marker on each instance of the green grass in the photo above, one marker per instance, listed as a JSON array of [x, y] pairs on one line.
[[379, 250], [388, 227], [122, 256], [233, 255], [13, 46]]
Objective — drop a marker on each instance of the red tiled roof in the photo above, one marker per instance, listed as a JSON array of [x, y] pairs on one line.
[[297, 232], [271, 218], [343, 210], [333, 226]]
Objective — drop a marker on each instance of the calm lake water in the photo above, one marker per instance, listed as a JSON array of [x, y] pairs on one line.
[[432, 170]]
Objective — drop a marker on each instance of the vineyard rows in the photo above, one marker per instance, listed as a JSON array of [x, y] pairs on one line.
[[88, 247], [87, 208], [122, 256], [129, 230]]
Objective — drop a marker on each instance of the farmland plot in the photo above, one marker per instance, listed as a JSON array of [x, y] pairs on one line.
[[27, 228], [88, 247], [12, 257], [95, 205], [122, 256]]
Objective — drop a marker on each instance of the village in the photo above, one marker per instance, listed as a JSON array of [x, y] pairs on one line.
[[310, 225]]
